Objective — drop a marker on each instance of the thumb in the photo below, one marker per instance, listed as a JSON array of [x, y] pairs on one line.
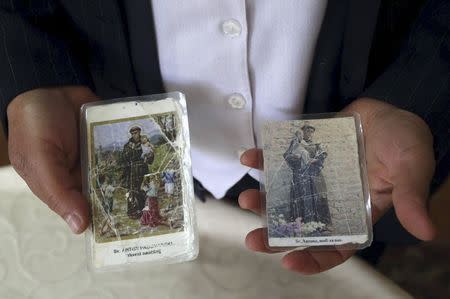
[[48, 175], [44, 149], [411, 176]]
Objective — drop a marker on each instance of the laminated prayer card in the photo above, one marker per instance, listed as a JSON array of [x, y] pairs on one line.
[[137, 177], [315, 183]]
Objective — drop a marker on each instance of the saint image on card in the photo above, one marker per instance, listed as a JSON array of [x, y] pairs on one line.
[[314, 189], [135, 178]]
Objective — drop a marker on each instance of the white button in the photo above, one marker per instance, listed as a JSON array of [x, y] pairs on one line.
[[241, 151], [232, 28], [237, 101]]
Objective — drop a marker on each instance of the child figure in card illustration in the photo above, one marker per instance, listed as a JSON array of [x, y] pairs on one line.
[[168, 177], [151, 215]]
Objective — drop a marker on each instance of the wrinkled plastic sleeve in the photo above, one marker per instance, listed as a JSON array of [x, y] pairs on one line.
[[136, 170]]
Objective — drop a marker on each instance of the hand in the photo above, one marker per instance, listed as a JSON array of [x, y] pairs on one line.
[[44, 148], [400, 165]]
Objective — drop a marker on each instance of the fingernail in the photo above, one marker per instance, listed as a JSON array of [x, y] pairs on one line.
[[240, 201], [249, 244], [74, 222]]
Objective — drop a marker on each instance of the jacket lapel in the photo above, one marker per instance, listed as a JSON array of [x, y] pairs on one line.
[[105, 34], [138, 17], [357, 41], [325, 68], [338, 72]]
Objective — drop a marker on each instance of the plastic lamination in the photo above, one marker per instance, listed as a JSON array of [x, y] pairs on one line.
[[137, 176], [315, 185]]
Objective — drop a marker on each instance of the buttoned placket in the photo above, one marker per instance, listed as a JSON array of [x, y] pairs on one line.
[[241, 101]]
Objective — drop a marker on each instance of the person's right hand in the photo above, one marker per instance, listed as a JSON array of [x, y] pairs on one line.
[[44, 148]]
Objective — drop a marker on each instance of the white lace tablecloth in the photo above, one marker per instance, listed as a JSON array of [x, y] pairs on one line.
[[40, 258]]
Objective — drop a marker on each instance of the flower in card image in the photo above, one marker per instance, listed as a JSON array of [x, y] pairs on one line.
[[281, 219], [311, 227], [298, 226], [299, 222]]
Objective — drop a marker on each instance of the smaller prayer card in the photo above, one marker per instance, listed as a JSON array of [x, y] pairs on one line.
[[316, 185]]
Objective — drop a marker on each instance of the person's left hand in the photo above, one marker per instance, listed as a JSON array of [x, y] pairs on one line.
[[400, 164]]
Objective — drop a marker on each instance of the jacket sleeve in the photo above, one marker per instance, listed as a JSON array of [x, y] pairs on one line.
[[35, 50], [419, 79]]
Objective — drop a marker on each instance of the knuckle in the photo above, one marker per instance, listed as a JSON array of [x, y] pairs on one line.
[[53, 203], [418, 125]]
